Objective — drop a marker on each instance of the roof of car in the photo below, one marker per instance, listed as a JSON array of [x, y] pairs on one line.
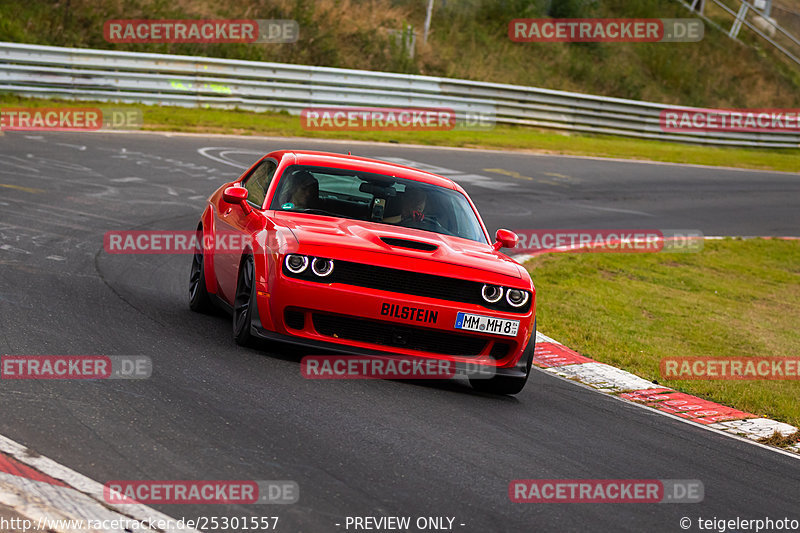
[[310, 157]]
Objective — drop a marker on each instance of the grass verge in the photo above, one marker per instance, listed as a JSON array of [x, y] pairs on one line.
[[238, 122], [735, 298], [776, 439]]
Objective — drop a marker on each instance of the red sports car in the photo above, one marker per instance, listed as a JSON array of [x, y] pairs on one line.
[[352, 255]]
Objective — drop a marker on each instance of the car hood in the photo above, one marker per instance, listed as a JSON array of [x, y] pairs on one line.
[[314, 230]]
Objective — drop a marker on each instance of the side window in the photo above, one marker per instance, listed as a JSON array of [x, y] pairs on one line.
[[257, 182]]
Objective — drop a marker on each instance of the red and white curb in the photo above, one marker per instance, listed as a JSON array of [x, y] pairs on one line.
[[555, 358], [55, 498]]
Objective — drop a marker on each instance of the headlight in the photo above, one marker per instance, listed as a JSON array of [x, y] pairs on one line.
[[492, 293], [296, 263], [516, 297], [322, 267]]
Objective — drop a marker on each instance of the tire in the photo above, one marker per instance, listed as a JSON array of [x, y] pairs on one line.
[[244, 303], [508, 385], [199, 299]]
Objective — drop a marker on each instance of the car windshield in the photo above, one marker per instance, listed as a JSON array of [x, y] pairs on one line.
[[377, 198]]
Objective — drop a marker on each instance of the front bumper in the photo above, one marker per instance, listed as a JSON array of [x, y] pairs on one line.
[[519, 370], [320, 304]]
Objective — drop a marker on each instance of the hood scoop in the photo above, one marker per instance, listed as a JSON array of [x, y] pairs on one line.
[[408, 243]]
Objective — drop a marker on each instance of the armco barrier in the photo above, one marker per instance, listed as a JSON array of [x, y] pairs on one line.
[[192, 81]]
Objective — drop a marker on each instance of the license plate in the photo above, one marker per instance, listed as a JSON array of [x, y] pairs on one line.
[[487, 324]]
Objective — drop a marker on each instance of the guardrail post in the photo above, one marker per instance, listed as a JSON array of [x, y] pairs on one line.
[[737, 24], [428, 14]]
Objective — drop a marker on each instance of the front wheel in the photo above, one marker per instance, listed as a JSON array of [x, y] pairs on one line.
[[199, 299], [243, 303], [508, 384]]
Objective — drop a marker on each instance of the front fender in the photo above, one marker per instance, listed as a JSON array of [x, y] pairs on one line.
[[268, 247]]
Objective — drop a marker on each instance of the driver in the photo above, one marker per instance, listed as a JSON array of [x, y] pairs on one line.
[[304, 191], [412, 209]]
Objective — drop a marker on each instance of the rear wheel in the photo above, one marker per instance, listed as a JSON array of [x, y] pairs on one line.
[[199, 299], [508, 384], [243, 303]]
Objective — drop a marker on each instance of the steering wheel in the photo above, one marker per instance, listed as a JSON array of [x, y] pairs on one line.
[[429, 223]]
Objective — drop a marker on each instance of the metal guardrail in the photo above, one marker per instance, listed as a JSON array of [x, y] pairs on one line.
[[191, 81], [740, 17]]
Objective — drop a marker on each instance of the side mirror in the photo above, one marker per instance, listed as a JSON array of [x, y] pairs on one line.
[[505, 239], [234, 195], [237, 196]]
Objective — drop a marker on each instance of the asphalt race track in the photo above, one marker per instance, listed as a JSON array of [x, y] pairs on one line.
[[213, 410]]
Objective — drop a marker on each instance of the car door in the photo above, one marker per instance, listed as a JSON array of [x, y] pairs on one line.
[[232, 221]]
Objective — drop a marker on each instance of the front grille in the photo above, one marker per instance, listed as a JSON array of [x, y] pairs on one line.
[[294, 318], [406, 282], [386, 334]]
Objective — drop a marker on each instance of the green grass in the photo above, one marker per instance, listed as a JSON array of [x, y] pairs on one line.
[[157, 118], [468, 39], [736, 298]]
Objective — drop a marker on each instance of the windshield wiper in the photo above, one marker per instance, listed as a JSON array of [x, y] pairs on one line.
[[322, 212]]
